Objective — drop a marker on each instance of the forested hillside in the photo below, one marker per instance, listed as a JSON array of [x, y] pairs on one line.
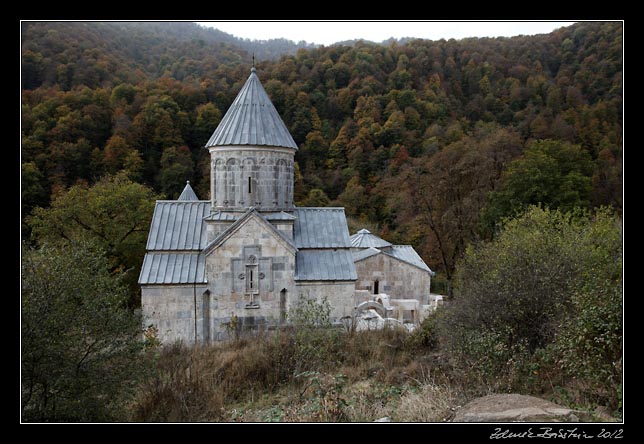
[[427, 142], [492, 157]]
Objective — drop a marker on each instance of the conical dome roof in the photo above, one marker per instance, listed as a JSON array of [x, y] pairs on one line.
[[364, 239], [188, 193], [252, 120]]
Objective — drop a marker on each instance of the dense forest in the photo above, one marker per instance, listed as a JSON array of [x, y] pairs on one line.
[[425, 142], [499, 160]]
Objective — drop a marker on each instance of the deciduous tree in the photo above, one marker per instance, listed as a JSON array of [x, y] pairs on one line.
[[115, 213], [553, 173], [80, 345]]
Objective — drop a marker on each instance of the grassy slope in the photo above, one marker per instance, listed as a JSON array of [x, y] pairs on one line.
[[313, 376]]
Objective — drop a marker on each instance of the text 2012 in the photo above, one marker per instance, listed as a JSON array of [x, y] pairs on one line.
[[548, 433]]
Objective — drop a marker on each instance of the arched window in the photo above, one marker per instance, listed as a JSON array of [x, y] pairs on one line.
[[230, 181], [283, 306], [252, 276]]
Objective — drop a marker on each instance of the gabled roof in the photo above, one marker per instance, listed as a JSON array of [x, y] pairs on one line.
[[363, 254], [233, 228], [177, 242], [320, 228], [407, 254], [404, 253], [177, 225], [252, 120], [188, 193], [364, 239]]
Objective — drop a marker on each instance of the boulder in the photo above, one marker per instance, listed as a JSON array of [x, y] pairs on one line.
[[513, 408], [383, 419]]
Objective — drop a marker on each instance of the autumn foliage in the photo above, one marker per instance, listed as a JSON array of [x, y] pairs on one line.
[[103, 97]]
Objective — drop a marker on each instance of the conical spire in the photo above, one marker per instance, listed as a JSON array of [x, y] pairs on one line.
[[252, 120], [188, 193]]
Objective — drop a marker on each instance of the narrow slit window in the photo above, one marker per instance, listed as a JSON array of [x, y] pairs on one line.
[[252, 279], [250, 185]]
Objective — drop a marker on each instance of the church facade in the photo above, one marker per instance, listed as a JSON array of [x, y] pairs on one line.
[[243, 258]]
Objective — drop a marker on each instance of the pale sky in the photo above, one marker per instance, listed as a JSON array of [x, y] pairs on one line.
[[327, 33]]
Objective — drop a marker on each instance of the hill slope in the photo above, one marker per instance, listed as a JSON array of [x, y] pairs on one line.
[[100, 97]]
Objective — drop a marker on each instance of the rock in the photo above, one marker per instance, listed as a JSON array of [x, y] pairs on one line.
[[513, 408], [384, 419]]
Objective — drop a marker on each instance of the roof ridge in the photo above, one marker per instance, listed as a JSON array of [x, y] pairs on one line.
[[408, 261], [181, 201], [319, 208]]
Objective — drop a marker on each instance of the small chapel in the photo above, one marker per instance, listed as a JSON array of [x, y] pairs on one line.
[[248, 254]]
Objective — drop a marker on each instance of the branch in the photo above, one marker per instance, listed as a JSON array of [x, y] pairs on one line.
[[87, 352], [134, 229], [90, 229]]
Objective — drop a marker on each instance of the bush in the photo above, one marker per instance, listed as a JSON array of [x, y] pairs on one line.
[[589, 349], [550, 282], [81, 348], [426, 335], [315, 340]]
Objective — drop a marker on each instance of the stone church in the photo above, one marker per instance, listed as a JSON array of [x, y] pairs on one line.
[[248, 254]]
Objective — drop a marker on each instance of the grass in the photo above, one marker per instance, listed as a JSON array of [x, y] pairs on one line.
[[344, 377], [316, 375]]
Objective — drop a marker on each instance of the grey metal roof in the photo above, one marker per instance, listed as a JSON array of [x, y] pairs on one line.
[[220, 216], [188, 193], [173, 268], [320, 228], [252, 120], [407, 254], [325, 265], [363, 254], [178, 225], [281, 216], [364, 239]]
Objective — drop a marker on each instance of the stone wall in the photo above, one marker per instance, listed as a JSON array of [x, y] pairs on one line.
[[171, 309], [257, 177], [396, 278], [214, 229], [250, 279], [339, 294]]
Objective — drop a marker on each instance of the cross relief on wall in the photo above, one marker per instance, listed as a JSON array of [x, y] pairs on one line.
[[252, 275]]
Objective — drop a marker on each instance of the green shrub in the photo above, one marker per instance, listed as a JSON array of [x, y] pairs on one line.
[[81, 348], [315, 341], [544, 296], [426, 335]]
